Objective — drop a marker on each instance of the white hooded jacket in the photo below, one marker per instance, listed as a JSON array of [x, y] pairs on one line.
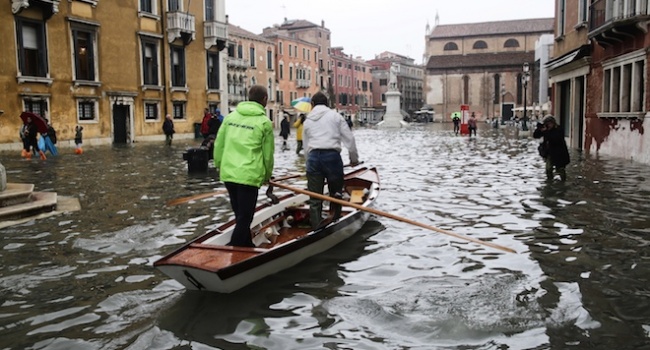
[[326, 129]]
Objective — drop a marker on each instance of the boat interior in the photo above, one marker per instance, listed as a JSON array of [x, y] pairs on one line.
[[274, 225]]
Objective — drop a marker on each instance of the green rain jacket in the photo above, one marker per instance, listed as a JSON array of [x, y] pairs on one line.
[[244, 148]]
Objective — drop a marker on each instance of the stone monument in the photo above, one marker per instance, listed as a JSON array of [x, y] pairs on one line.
[[393, 117]]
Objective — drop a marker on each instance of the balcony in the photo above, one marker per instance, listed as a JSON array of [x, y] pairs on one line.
[[238, 63], [303, 83], [181, 25], [236, 98], [612, 21], [49, 7], [216, 34]]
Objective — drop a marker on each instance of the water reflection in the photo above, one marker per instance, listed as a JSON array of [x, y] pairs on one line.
[[84, 280]]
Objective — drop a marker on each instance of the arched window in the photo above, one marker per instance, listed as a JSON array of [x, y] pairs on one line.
[[269, 58], [450, 46], [511, 43], [480, 44]]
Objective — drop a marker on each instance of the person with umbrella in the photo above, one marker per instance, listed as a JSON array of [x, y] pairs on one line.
[[31, 135], [301, 104], [299, 126]]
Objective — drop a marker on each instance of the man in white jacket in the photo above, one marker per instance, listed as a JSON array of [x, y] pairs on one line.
[[324, 131]]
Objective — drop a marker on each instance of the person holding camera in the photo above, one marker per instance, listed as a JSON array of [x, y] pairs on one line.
[[553, 147]]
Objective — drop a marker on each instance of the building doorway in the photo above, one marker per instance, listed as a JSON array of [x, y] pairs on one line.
[[507, 112], [121, 124], [563, 118]]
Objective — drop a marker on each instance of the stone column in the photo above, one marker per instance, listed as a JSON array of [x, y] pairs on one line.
[[3, 178]]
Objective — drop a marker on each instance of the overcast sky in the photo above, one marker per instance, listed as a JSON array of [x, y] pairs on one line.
[[368, 27]]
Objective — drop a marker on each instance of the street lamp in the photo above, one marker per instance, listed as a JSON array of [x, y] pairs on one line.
[[524, 82]]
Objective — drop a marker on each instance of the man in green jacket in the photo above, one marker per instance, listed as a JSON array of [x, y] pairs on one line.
[[243, 153]]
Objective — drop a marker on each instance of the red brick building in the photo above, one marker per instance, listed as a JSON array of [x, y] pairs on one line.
[[352, 82], [600, 75]]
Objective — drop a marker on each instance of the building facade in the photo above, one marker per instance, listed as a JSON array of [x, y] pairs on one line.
[[296, 72], [481, 65], [410, 81], [116, 68], [352, 82], [320, 36], [599, 76], [251, 61]]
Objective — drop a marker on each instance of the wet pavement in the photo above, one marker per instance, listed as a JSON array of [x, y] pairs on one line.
[[579, 280]]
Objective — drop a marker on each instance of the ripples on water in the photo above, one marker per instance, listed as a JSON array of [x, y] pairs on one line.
[[84, 280]]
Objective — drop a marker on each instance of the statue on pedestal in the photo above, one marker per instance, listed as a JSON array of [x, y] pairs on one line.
[[392, 82]]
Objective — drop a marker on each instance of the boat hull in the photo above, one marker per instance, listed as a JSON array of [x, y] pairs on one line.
[[194, 278], [207, 264]]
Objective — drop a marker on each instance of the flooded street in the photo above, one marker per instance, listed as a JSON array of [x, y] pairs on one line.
[[579, 280]]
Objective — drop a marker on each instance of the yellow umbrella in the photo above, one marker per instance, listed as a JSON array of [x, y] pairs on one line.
[[302, 104]]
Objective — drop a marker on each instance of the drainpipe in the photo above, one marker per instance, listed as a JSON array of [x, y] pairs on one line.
[[163, 26]]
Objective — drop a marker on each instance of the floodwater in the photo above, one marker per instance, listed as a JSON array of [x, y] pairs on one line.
[[579, 279]]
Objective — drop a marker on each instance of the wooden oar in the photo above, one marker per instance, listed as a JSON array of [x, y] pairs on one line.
[[391, 216], [215, 193], [195, 197]]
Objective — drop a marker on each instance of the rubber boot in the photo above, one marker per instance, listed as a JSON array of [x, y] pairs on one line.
[[335, 208], [24, 153], [562, 172]]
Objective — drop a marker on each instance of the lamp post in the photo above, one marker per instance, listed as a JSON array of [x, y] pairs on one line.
[[524, 78]]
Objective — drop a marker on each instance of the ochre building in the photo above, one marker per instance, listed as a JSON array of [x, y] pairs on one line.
[[114, 67]]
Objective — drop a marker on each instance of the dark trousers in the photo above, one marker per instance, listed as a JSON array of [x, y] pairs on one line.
[[243, 199], [321, 165]]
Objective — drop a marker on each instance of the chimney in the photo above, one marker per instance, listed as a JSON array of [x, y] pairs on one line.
[[322, 23], [226, 19]]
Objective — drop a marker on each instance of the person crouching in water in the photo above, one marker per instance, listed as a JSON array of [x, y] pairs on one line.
[[78, 136]]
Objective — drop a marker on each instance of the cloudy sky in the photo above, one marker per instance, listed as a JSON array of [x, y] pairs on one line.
[[367, 27]]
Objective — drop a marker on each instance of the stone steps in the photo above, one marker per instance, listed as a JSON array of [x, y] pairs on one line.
[[19, 201]]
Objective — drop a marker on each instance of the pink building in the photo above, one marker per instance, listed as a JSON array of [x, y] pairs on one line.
[[351, 83]]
